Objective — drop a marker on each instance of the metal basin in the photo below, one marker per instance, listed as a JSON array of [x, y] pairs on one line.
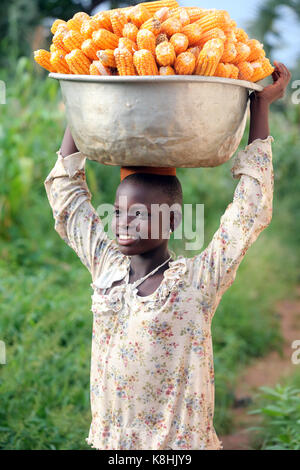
[[168, 121]]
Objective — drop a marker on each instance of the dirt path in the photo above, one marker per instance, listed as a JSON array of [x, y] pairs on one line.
[[266, 371]]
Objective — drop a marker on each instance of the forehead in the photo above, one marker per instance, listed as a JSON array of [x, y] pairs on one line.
[[138, 193]]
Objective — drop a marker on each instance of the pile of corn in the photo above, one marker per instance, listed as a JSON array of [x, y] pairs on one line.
[[155, 38]]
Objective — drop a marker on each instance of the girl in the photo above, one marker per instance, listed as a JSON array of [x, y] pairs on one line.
[[152, 373]]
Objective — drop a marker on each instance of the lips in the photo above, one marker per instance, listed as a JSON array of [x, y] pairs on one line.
[[126, 239]]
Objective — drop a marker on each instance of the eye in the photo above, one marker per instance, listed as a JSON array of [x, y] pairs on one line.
[[116, 212]]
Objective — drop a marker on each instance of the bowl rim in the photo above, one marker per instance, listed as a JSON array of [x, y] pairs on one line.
[[154, 78]]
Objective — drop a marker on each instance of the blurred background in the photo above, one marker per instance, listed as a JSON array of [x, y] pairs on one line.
[[45, 294]]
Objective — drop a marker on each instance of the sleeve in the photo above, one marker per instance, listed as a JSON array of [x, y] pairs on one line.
[[76, 221], [214, 270]]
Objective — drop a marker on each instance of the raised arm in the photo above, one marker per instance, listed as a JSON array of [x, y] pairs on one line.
[[214, 270], [76, 221]]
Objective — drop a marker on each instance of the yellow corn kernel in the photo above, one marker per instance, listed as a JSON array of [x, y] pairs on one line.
[[107, 57], [214, 33], [209, 57], [58, 39], [246, 71], [262, 69], [73, 40], [97, 68], [171, 26], [78, 62], [168, 70], [53, 48], [103, 20], [193, 32], [241, 35], [153, 7], [77, 20], [233, 71], [124, 61], [230, 35], [185, 63], [256, 50], [180, 42], [139, 14], [130, 31], [146, 40], [196, 13], [195, 50], [153, 25], [105, 39], [222, 71], [162, 14], [118, 20], [230, 52], [182, 15], [165, 53], [58, 61], [56, 23], [42, 57], [217, 19], [144, 62], [128, 44], [243, 52], [89, 48], [161, 38]]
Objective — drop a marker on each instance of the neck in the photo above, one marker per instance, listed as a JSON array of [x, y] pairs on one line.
[[144, 263]]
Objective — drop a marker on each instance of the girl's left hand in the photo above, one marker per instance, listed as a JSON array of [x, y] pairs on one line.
[[281, 77]]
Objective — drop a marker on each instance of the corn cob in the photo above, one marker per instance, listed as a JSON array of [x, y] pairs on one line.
[[97, 68], [196, 13], [161, 38], [88, 27], [105, 39], [243, 52], [193, 32], [89, 48], [195, 50], [146, 40], [171, 26], [262, 69], [58, 39], [42, 57], [124, 61], [58, 61], [230, 35], [222, 71], [130, 31], [153, 25], [168, 70], [230, 52], [103, 20], [165, 53], [233, 71], [139, 14], [56, 23], [180, 42], [78, 62], [218, 19], [182, 15], [162, 15], [118, 20], [144, 62], [214, 33], [241, 35], [185, 63], [209, 57], [256, 50], [153, 7], [246, 71], [72, 40], [77, 20], [127, 44], [53, 48], [107, 58]]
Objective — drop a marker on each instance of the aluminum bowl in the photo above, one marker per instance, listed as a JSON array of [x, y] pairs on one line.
[[167, 121]]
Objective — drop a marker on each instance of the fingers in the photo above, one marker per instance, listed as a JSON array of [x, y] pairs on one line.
[[282, 71]]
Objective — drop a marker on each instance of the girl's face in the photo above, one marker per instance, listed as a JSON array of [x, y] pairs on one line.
[[135, 216]]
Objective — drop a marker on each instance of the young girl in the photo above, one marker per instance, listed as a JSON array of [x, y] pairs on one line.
[[152, 372]]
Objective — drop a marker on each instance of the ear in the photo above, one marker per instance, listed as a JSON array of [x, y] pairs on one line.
[[175, 219]]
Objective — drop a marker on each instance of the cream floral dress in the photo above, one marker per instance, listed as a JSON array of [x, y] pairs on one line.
[[152, 370]]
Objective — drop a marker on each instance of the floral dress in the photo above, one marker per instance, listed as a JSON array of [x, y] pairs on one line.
[[152, 370]]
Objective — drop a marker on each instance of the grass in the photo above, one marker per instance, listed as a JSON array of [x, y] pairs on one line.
[[45, 316]]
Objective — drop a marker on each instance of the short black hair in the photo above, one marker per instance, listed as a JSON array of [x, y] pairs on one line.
[[168, 184]]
